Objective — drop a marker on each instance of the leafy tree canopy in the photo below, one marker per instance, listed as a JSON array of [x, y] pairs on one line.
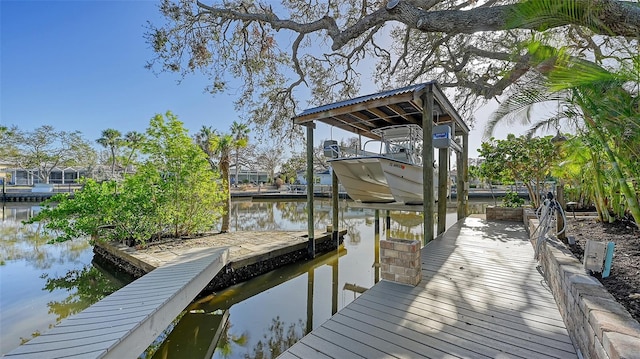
[[44, 148], [317, 49], [174, 192], [529, 160]]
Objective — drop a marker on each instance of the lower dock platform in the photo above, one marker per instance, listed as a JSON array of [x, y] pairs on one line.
[[123, 324]]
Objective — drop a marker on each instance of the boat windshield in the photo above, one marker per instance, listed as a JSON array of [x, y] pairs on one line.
[[401, 142]]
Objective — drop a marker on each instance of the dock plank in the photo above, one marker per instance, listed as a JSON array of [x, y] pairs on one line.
[[304, 350], [455, 315], [480, 296], [328, 348], [368, 336], [126, 322], [352, 345]]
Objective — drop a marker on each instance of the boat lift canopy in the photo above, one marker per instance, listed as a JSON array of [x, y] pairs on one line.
[[401, 106]]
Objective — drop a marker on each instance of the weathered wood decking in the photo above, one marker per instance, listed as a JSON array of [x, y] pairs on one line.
[[480, 297], [123, 324]]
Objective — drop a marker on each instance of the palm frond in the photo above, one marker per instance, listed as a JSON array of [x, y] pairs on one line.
[[518, 107], [545, 125], [578, 73], [545, 14]]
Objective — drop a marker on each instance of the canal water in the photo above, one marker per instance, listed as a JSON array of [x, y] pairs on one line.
[[41, 284]]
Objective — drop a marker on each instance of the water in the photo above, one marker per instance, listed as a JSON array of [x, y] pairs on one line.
[[41, 284], [264, 316]]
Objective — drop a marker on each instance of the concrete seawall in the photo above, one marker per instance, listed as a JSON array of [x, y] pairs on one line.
[[250, 253]]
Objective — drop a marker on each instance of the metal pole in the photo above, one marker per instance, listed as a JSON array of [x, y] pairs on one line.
[[388, 222], [311, 247], [427, 163], [559, 220]]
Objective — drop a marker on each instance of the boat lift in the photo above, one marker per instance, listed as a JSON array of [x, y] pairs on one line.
[[422, 104]]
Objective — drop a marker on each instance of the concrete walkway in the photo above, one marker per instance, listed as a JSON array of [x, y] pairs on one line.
[[242, 246]]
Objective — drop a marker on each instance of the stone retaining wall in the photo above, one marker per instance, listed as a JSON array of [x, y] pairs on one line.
[[599, 326], [238, 271], [495, 213], [400, 261]]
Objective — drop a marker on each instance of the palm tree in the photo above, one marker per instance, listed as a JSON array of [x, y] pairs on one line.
[[222, 145], [112, 140], [240, 133], [132, 140], [218, 146], [203, 139], [600, 105]]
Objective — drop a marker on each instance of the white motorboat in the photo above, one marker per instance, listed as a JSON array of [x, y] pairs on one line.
[[392, 174]]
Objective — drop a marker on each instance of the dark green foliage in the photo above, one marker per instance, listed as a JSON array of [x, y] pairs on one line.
[[173, 193], [86, 286], [512, 199], [519, 159]]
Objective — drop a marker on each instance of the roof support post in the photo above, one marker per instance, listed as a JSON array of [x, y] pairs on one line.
[[462, 185], [334, 200], [310, 283], [311, 247], [376, 246], [427, 163], [335, 262], [443, 176]]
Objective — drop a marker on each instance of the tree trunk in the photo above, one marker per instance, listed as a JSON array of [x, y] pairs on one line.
[[535, 202], [113, 162], [224, 168], [237, 159]]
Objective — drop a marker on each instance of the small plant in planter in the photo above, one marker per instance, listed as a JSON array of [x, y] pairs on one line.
[[509, 210], [512, 199]]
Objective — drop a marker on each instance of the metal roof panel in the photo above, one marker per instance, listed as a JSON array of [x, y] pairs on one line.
[[361, 99]]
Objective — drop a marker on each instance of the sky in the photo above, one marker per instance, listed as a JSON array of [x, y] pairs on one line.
[[79, 65]]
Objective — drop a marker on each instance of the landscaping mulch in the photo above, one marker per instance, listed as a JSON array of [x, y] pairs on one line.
[[624, 281]]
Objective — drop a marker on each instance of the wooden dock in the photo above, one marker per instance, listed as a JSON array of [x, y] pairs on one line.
[[481, 296], [125, 323]]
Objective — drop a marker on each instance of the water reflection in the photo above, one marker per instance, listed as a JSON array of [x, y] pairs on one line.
[[248, 305], [264, 316], [84, 286], [275, 215], [26, 242], [43, 283]]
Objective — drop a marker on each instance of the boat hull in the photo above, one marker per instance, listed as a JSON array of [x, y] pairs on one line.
[[405, 181], [363, 179], [381, 180]]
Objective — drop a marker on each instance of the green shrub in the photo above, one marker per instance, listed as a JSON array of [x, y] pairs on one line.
[[174, 192], [512, 199]]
